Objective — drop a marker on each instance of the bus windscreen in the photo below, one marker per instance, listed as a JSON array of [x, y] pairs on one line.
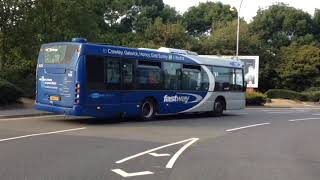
[[59, 54]]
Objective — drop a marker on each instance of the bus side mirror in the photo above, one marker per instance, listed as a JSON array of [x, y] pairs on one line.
[[245, 86]]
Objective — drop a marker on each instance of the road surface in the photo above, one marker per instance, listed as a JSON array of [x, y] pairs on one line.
[[257, 143]]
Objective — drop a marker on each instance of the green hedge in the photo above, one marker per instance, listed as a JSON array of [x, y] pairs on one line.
[[255, 98], [22, 75], [312, 95], [286, 94], [9, 93]]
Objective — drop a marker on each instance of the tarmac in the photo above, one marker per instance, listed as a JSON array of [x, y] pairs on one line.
[[26, 109]]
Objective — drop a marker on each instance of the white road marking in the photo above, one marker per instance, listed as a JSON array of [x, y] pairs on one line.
[[41, 134], [316, 114], [154, 149], [244, 127], [125, 174], [305, 119], [282, 112], [178, 153], [31, 117], [288, 111], [280, 108], [158, 155], [267, 110]]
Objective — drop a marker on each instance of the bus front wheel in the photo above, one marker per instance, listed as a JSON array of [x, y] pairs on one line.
[[148, 109], [218, 107]]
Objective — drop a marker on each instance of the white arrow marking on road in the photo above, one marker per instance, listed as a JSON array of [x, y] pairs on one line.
[[125, 174], [178, 153], [161, 147], [244, 127], [158, 155]]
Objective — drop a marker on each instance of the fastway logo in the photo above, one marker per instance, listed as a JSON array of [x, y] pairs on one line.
[[176, 98], [183, 99]]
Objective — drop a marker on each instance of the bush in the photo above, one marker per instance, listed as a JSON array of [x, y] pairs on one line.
[[255, 98], [312, 89], [9, 93], [312, 95], [286, 94], [22, 75]]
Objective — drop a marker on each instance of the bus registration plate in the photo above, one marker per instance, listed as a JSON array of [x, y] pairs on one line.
[[54, 98]]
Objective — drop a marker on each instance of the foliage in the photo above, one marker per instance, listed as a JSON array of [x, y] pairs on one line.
[[167, 35], [316, 20], [277, 27], [285, 38], [299, 68], [286, 94], [223, 39], [313, 96], [199, 19], [255, 98], [280, 24], [9, 93]]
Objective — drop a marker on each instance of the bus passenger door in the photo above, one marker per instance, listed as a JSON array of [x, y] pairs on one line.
[[128, 96]]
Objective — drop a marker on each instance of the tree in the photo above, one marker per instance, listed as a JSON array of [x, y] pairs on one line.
[[199, 19], [223, 39], [60, 20], [167, 35], [280, 24], [12, 14], [299, 67], [148, 15], [316, 21]]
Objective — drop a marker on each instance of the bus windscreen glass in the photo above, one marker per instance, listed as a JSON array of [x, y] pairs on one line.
[[59, 54]]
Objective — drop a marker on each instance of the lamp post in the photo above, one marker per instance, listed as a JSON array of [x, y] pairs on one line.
[[238, 29]]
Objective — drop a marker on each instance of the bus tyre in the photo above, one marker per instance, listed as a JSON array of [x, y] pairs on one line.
[[148, 109], [218, 107]]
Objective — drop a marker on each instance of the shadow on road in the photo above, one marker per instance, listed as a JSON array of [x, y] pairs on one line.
[[105, 121]]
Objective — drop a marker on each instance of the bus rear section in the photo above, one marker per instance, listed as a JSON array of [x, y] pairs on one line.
[[57, 89]]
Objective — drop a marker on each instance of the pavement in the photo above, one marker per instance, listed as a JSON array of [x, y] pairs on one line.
[[255, 143], [22, 109], [287, 103], [14, 113]]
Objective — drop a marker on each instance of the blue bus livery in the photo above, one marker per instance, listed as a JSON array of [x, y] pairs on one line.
[[85, 79]]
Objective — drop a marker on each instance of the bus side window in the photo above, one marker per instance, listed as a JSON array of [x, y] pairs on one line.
[[191, 78], [239, 80], [95, 73], [224, 78], [204, 80], [172, 75], [127, 74], [148, 78], [112, 73]]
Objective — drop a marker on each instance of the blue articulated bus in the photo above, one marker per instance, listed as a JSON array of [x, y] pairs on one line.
[[85, 79]]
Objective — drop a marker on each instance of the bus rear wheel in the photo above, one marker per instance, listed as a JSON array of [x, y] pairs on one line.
[[148, 109], [218, 107]]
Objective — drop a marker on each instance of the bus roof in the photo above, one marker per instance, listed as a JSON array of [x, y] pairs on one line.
[[218, 61], [161, 54]]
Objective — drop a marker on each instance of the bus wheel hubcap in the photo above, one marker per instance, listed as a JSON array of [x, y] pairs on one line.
[[147, 109], [218, 107]]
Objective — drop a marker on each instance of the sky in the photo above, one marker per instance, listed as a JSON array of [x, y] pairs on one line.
[[249, 7]]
